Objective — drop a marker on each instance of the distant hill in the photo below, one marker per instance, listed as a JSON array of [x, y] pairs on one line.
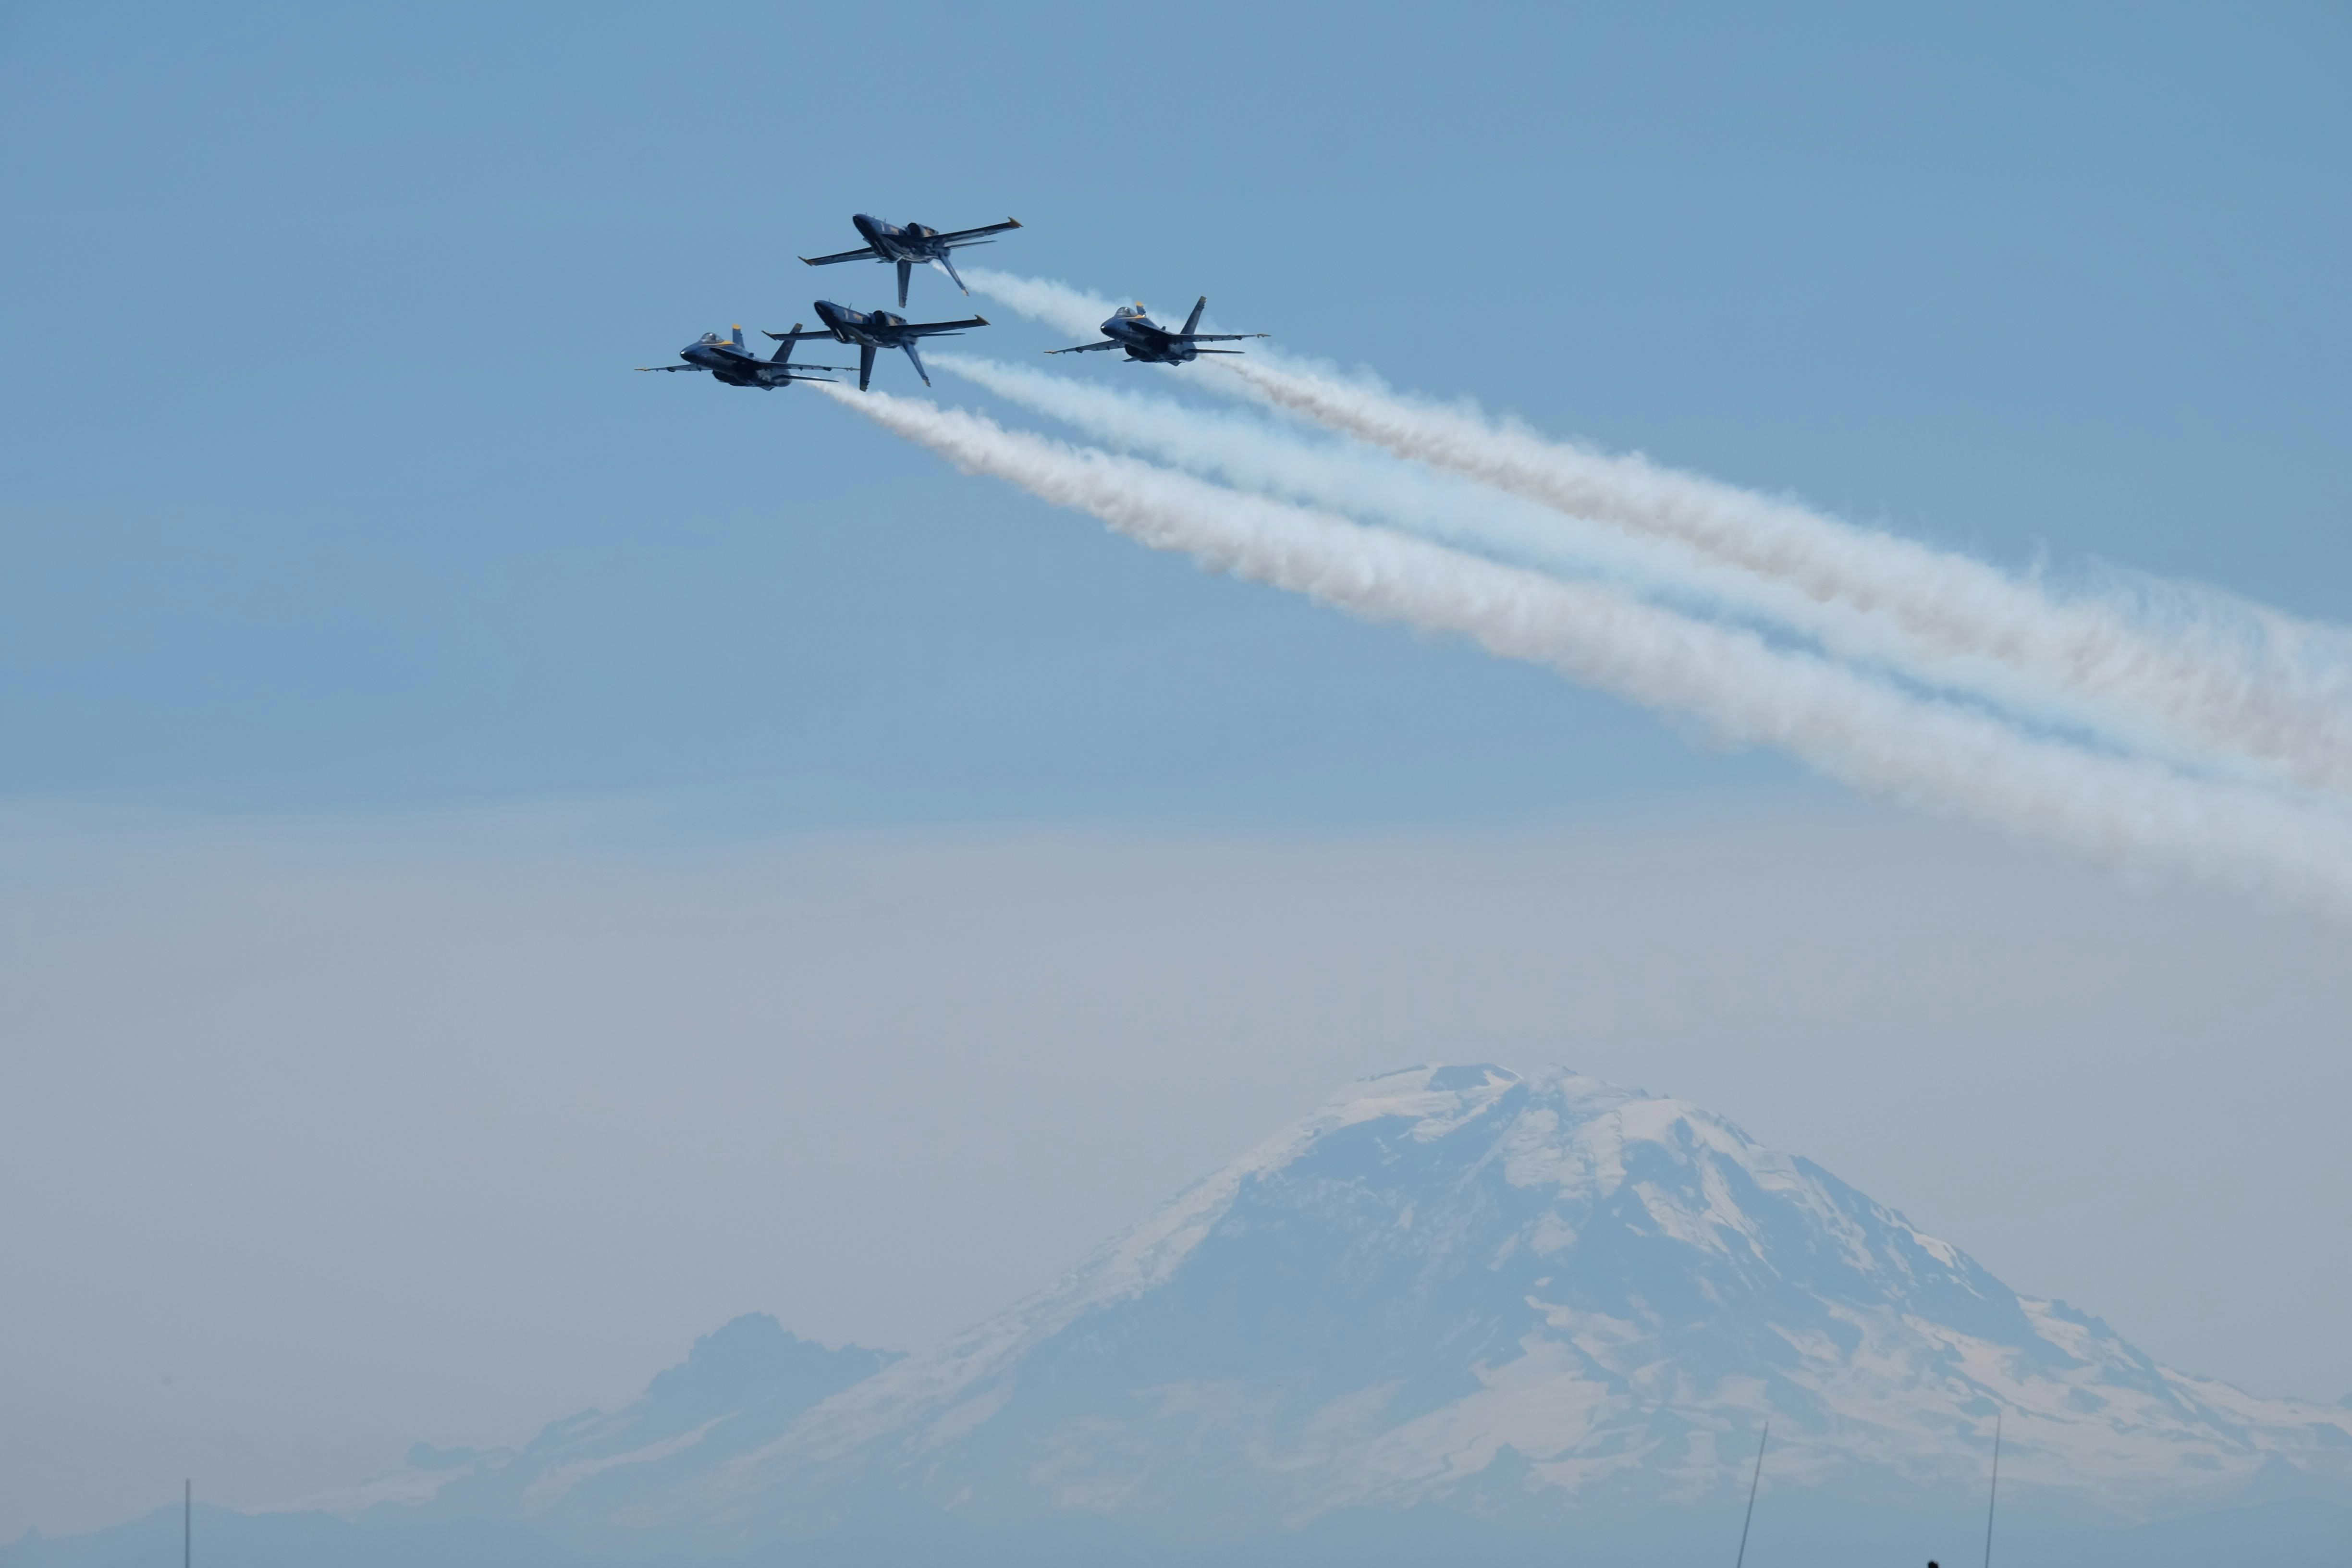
[[740, 1388]]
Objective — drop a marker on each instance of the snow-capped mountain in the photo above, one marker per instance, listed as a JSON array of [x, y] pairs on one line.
[[1523, 1299]]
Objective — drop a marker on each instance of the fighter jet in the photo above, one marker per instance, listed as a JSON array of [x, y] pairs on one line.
[[732, 363], [907, 246], [1146, 340], [881, 330]]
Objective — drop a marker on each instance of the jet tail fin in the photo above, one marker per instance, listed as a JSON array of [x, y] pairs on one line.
[[738, 338], [786, 343], [947, 266], [906, 271], [917, 360], [1194, 320]]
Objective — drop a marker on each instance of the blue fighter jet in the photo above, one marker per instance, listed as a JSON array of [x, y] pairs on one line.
[[881, 330], [732, 363], [1148, 341], [907, 246]]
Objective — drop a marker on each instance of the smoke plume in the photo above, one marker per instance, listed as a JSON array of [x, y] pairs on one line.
[[2202, 680], [1845, 725]]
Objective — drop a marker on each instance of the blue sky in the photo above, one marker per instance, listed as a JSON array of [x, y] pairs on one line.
[[409, 711], [331, 489]]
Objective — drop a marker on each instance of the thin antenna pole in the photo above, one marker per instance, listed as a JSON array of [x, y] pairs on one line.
[[1752, 1482], [188, 1523], [1993, 1496]]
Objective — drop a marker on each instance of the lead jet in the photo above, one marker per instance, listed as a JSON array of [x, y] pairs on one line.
[[881, 330], [732, 363], [1148, 342], [907, 246]]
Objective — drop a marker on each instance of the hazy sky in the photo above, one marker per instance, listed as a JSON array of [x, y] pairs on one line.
[[365, 1083], [367, 1134]]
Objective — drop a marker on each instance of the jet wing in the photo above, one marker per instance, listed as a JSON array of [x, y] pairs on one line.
[[933, 329], [1217, 337], [1085, 348], [692, 367], [868, 254], [973, 236]]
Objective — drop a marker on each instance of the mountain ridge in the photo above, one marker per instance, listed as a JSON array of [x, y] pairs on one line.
[[741, 1385], [1520, 1298]]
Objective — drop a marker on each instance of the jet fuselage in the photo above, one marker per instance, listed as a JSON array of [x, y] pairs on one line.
[[733, 367], [911, 242], [878, 329], [1148, 341]]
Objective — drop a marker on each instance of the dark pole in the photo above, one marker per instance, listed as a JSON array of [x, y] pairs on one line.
[[1752, 1482], [1993, 1496], [187, 1524]]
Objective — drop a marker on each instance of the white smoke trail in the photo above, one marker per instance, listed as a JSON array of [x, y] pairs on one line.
[[2213, 699], [2267, 687], [1368, 485], [1247, 452], [1843, 724], [1058, 305]]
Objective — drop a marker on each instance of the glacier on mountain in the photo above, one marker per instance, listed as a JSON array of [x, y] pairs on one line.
[[1528, 1299]]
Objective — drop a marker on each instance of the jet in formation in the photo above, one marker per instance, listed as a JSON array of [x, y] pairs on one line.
[[910, 245], [1147, 341], [872, 329], [732, 363]]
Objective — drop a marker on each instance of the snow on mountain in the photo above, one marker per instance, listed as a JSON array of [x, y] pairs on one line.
[[1525, 1299]]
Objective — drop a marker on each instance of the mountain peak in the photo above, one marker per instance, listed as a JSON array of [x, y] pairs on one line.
[[1604, 1291], [1529, 1297], [748, 1362]]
